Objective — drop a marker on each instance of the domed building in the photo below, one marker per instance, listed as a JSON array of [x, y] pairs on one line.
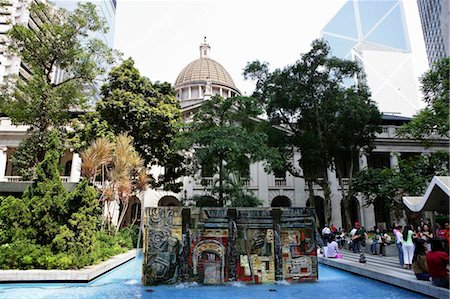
[[201, 79]]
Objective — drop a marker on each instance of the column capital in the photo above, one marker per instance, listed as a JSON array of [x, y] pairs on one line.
[[3, 148]]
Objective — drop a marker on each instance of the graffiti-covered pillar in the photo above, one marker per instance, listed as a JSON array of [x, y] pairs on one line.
[[232, 254], [185, 272], [278, 246]]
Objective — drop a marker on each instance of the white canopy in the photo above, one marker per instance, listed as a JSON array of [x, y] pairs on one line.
[[436, 197]]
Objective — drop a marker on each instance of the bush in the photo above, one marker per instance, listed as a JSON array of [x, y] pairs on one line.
[[50, 228]]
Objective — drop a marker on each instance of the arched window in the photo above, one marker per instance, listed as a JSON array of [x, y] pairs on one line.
[[168, 201], [281, 201]]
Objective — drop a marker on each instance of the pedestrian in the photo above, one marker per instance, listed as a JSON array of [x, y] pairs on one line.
[[437, 262], [427, 235], [360, 240], [353, 245], [398, 242], [408, 246], [419, 262]]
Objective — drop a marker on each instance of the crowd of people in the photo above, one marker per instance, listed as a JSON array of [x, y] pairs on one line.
[[425, 252], [421, 249]]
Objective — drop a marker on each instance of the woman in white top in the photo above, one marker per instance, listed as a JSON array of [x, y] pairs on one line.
[[333, 249]]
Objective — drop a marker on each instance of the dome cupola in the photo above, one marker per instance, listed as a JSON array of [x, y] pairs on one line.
[[203, 78]]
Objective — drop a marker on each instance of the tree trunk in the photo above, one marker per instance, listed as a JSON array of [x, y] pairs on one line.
[[221, 182], [122, 216], [312, 200], [326, 201]]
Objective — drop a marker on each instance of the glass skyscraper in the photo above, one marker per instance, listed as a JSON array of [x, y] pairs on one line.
[[374, 33], [434, 16]]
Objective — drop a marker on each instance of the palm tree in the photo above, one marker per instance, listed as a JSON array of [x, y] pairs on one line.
[[123, 167]]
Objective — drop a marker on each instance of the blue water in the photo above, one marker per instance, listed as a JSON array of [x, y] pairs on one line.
[[124, 282]]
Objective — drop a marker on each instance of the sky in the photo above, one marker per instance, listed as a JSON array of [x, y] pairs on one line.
[[164, 36]]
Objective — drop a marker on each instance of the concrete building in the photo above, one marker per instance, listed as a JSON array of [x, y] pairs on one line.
[[434, 16], [374, 33]]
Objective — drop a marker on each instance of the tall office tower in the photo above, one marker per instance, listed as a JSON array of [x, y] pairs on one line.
[[434, 16], [12, 12], [374, 33]]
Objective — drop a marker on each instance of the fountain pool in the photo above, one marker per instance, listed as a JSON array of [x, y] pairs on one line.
[[124, 282]]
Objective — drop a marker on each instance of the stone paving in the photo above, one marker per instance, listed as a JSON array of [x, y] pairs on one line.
[[385, 269], [63, 276]]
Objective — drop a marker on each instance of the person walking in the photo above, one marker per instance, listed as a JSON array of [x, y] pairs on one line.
[[359, 239], [398, 242], [408, 246]]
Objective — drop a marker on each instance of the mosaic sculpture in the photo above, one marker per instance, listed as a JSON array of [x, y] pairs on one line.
[[220, 245]]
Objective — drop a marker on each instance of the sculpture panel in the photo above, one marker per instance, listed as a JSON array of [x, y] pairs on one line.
[[220, 245]]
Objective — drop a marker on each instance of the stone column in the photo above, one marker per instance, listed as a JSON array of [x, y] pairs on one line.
[[3, 162], [75, 171], [200, 92], [362, 161], [300, 197], [394, 159], [335, 197], [262, 181], [189, 93]]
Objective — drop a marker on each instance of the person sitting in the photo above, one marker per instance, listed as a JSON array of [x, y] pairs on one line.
[[332, 249], [419, 265], [437, 261], [376, 239], [326, 233]]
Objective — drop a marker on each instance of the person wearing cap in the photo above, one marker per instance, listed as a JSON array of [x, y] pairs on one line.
[[360, 239], [326, 233]]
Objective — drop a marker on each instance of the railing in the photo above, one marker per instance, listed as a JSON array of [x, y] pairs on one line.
[[208, 182], [245, 182], [17, 178], [13, 178], [280, 182]]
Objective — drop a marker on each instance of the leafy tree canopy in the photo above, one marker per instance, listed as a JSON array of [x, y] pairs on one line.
[[435, 117], [227, 137], [148, 112], [61, 58]]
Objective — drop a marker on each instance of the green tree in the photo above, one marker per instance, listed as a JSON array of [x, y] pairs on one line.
[[411, 177], [148, 112], [310, 99], [351, 133], [62, 42], [435, 117], [227, 138]]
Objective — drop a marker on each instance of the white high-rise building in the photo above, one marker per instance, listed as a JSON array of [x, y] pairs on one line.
[[374, 33]]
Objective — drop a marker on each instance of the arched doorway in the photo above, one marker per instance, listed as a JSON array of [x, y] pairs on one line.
[[133, 215], [281, 201], [320, 210], [382, 214], [355, 214], [209, 261], [168, 201], [206, 201]]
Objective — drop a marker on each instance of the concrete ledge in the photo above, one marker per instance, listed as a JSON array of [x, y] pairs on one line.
[[65, 276], [390, 276]]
